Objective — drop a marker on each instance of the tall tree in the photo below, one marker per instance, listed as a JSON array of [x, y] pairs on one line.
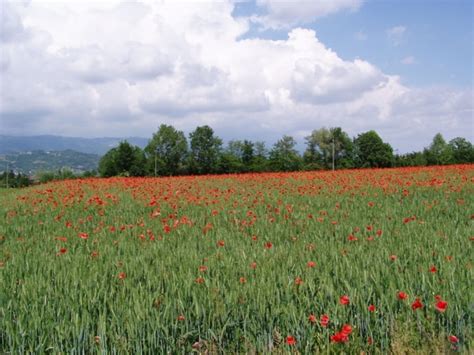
[[284, 156], [126, 160], [371, 151], [324, 145], [166, 151], [463, 150], [439, 152], [205, 150]]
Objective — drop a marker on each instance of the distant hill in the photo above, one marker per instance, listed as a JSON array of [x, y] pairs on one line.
[[38, 160], [99, 146]]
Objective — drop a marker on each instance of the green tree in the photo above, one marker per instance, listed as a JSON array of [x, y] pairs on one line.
[[126, 160], [259, 162], [284, 156], [205, 150], [371, 151], [321, 145], [463, 150], [439, 152], [166, 151]]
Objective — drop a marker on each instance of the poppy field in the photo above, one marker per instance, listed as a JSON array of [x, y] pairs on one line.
[[313, 262]]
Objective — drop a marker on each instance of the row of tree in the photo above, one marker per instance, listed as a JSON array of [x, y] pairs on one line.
[[169, 153]]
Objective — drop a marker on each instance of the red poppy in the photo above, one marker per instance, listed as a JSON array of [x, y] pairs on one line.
[[242, 280], [122, 275], [166, 229], [83, 235], [433, 269], [453, 339], [203, 268], [351, 238], [62, 251], [393, 257], [370, 341], [402, 295], [199, 280], [344, 300], [291, 340], [371, 308], [312, 318], [339, 338], [311, 264], [346, 329], [324, 320], [220, 243], [298, 281], [441, 306], [181, 317], [268, 245], [417, 304], [253, 265]]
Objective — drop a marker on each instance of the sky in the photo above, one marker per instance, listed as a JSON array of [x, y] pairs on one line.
[[249, 69]]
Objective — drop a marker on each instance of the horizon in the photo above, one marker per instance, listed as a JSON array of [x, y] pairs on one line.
[[253, 70]]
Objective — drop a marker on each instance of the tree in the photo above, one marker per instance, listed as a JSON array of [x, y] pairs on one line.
[[205, 150], [323, 143], [463, 150], [260, 157], [371, 151], [283, 156], [126, 160], [439, 152], [166, 151]]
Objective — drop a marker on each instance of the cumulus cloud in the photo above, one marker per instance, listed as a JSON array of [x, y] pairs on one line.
[[284, 14], [112, 68]]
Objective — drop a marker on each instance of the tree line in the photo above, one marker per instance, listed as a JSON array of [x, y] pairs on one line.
[[169, 153]]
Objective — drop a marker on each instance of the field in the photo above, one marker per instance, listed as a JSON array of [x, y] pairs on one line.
[[331, 262]]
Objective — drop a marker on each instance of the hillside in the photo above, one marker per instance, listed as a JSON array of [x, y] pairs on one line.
[[38, 160], [99, 146]]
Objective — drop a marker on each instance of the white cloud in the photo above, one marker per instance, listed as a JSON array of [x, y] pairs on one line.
[[395, 34], [285, 14], [120, 69], [408, 60]]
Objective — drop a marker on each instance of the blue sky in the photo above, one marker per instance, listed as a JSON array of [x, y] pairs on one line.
[[251, 70], [438, 36]]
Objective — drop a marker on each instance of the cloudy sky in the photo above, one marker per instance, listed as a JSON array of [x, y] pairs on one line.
[[249, 69]]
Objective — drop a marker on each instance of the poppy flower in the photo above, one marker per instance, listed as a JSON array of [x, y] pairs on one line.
[[324, 320], [393, 257], [402, 296], [62, 251], [312, 318], [268, 245], [453, 339], [417, 304], [181, 317], [441, 306], [242, 280], [310, 264], [199, 280], [203, 268], [351, 238], [122, 275], [346, 329], [298, 281], [339, 338], [253, 265], [291, 340], [371, 308], [83, 235], [220, 243], [344, 300], [433, 269]]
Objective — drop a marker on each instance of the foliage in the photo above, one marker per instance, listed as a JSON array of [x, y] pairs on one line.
[[462, 150], [347, 262], [439, 152], [10, 179], [371, 151], [166, 152], [124, 160], [205, 150], [284, 156]]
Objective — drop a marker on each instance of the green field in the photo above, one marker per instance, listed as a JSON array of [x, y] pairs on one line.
[[241, 264]]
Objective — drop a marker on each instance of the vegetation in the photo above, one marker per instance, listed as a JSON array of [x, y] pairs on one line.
[[345, 262], [168, 153]]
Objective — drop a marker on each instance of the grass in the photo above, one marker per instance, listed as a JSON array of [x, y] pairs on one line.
[[220, 263]]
